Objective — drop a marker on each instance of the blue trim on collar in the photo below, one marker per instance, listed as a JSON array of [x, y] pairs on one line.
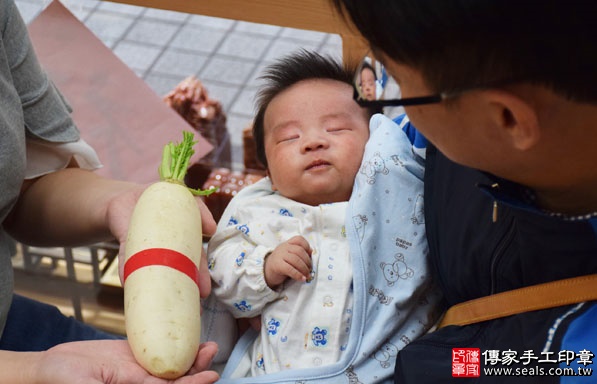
[[593, 222]]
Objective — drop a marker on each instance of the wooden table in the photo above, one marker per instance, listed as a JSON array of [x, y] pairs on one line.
[[315, 15]]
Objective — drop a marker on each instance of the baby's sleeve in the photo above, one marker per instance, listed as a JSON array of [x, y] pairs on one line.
[[236, 256]]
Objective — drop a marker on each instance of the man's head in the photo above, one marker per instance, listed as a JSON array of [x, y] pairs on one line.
[[513, 75], [308, 130], [461, 44]]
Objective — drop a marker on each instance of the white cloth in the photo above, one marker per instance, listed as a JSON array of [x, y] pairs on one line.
[[45, 157], [309, 318]]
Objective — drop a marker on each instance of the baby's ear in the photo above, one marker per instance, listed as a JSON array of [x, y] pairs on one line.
[[274, 188]]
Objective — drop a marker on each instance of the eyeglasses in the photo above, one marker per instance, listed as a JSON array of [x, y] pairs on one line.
[[373, 87]]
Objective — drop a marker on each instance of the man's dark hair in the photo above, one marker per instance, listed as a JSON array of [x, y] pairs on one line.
[[286, 72], [462, 44]]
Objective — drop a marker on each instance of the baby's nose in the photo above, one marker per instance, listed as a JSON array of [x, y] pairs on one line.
[[314, 142]]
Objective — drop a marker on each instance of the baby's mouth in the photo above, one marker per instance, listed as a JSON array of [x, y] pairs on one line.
[[317, 164]]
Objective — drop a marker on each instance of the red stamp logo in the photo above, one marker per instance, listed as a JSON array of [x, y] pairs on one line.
[[466, 362]]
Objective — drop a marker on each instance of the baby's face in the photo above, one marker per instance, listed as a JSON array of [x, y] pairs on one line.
[[368, 86], [315, 135]]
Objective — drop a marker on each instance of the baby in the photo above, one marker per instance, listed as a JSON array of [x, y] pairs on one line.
[[282, 250]]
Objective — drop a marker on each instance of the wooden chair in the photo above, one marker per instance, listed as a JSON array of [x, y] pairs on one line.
[[315, 15]]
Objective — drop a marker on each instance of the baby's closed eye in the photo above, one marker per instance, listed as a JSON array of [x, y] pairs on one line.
[[288, 137], [338, 129]]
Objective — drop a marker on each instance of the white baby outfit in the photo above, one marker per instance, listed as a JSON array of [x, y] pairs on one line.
[[371, 291], [236, 264]]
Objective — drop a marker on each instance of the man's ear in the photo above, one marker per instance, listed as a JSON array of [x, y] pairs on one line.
[[516, 117]]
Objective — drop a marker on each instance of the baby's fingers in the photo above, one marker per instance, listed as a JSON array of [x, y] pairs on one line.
[[300, 259], [291, 271], [301, 242]]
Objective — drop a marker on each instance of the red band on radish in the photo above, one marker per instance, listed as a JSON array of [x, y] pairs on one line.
[[162, 256]]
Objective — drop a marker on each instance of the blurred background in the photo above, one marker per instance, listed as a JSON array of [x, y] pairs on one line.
[[165, 47]]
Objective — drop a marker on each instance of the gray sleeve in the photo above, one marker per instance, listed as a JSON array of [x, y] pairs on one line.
[[46, 113]]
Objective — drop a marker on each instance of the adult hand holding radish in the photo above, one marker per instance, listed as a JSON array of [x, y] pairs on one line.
[[110, 207], [95, 362], [119, 215], [161, 270]]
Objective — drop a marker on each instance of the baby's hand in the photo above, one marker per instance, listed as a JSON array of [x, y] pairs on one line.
[[291, 259]]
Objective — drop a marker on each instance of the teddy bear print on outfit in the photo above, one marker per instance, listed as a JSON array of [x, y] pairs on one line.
[[396, 270], [374, 166]]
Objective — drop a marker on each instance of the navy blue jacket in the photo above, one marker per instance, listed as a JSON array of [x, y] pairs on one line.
[[473, 256]]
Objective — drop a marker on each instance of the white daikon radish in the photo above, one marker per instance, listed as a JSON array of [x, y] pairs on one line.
[[161, 275]]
